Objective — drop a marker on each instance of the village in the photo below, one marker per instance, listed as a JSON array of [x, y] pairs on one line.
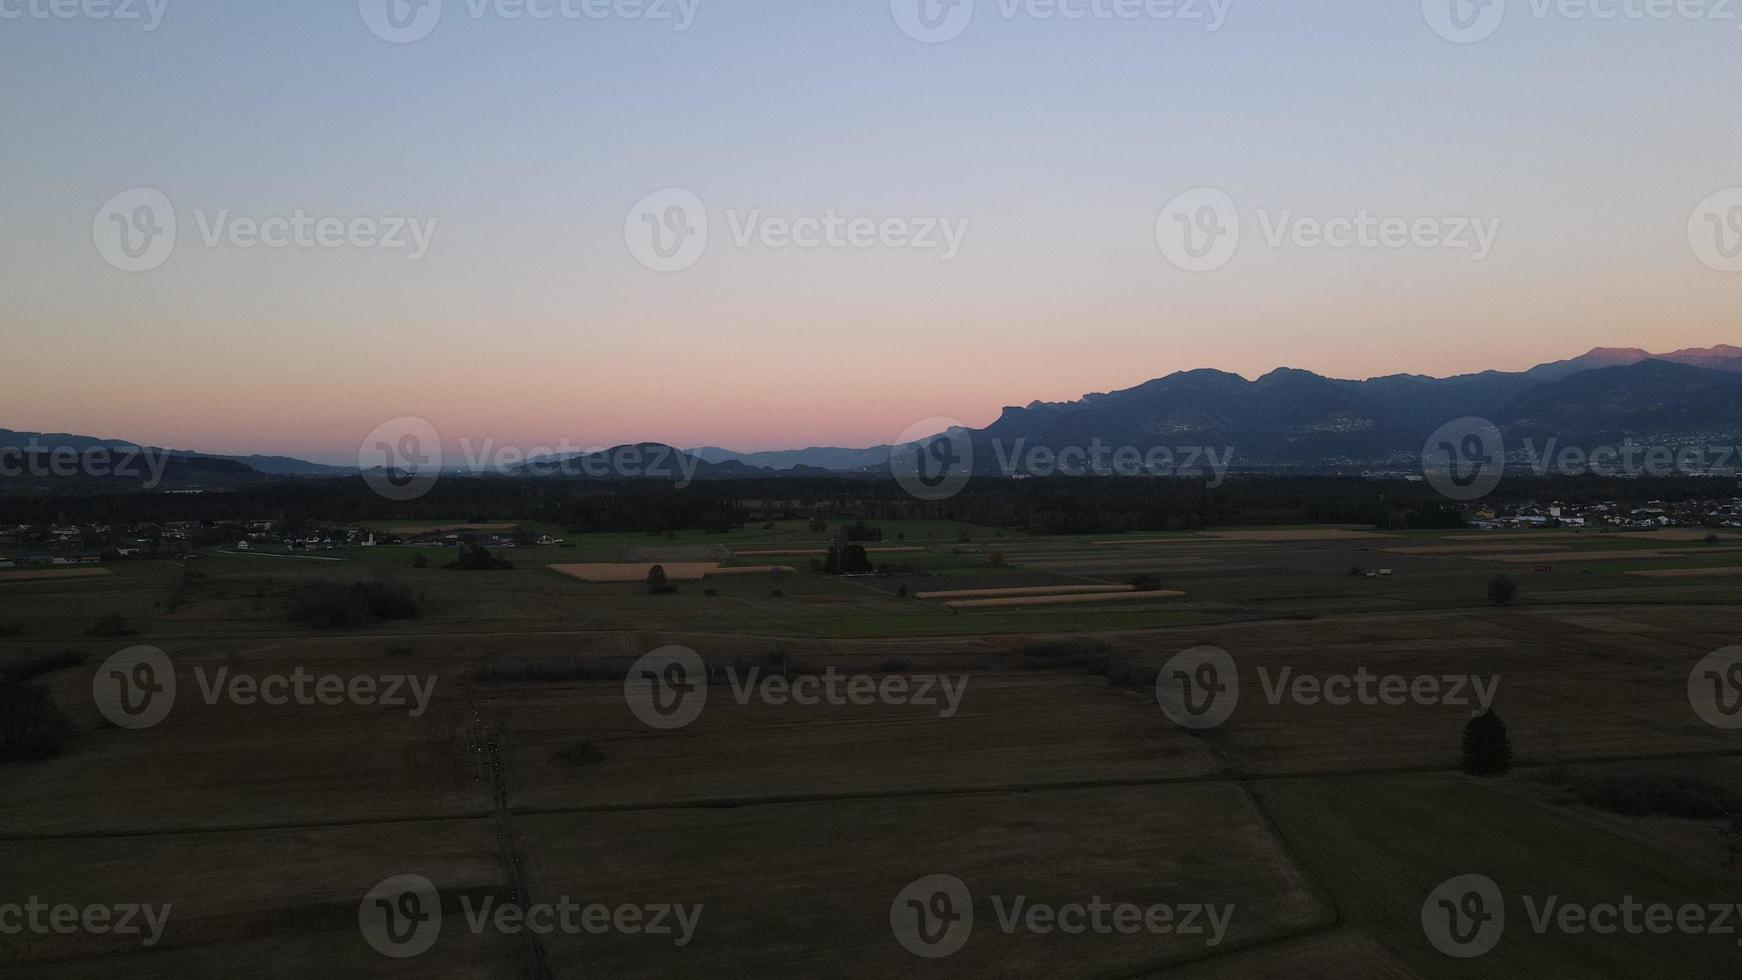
[[1611, 515], [27, 545]]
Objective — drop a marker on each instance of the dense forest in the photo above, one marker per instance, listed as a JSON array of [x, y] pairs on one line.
[[1062, 505]]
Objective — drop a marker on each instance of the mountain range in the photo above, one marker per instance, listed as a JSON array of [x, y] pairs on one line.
[[1288, 418]]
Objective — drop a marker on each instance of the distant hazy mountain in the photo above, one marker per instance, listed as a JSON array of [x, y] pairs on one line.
[[1300, 419], [268, 465], [819, 457], [29, 469], [647, 460], [1721, 358], [1288, 418], [1650, 397], [1297, 418]]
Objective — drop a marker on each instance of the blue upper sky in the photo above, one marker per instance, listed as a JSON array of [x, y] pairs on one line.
[[525, 146]]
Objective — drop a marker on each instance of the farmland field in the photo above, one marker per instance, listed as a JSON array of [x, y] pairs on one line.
[[1036, 764]]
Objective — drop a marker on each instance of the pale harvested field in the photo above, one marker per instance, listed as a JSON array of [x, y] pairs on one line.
[[1724, 572], [46, 574], [1468, 549], [1011, 729], [1635, 554], [1121, 563], [1034, 591], [1685, 534], [1062, 600], [1284, 535], [777, 552], [1150, 541], [822, 878], [1523, 535]]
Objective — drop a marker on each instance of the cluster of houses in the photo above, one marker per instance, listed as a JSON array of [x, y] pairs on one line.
[[485, 539], [79, 544], [329, 539], [1612, 515], [52, 544], [82, 556]]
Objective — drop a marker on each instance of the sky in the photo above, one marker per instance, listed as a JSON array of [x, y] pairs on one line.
[[551, 164]]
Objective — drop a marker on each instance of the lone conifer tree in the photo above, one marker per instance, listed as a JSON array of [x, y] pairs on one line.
[[1487, 749], [1502, 590]]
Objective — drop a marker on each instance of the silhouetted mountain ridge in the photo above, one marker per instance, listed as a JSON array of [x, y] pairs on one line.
[[1288, 418]]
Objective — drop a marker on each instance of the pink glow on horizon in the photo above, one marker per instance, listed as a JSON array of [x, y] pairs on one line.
[[868, 402]]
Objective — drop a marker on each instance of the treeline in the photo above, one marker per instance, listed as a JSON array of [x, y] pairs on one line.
[[1059, 505]]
